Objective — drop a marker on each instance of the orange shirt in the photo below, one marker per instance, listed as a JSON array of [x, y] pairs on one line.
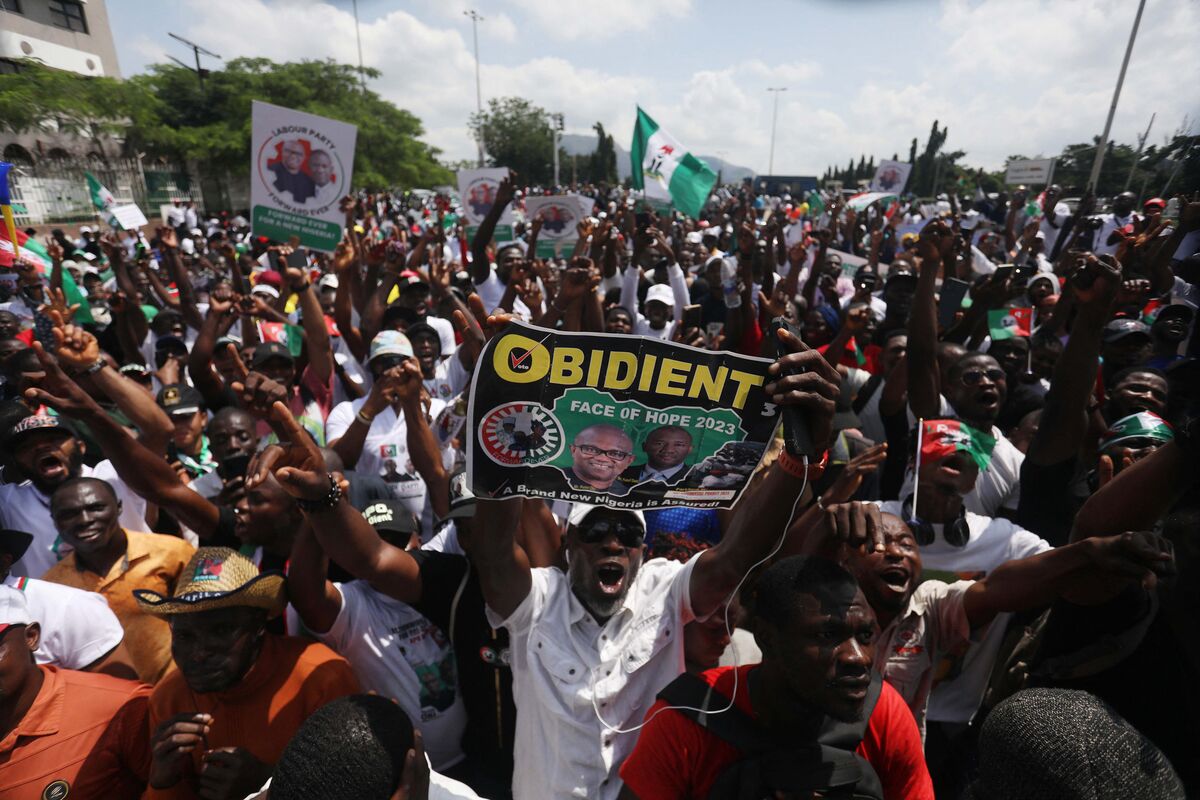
[[152, 561], [85, 735], [291, 679]]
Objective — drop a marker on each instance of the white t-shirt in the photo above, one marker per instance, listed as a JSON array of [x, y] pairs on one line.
[[400, 654], [78, 627], [385, 453], [992, 542], [1110, 222], [491, 291], [24, 508], [450, 377]]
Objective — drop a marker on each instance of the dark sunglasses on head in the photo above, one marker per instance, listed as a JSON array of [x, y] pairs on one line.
[[975, 375], [384, 363], [629, 534]]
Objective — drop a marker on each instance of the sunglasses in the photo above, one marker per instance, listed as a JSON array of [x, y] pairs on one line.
[[628, 534], [384, 363], [592, 452], [974, 376]]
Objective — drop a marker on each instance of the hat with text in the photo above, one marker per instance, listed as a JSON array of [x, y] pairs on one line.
[[391, 515], [35, 423], [214, 578], [581, 511]]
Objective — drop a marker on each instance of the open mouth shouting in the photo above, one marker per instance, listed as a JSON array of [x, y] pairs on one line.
[[611, 577], [51, 467], [896, 578]]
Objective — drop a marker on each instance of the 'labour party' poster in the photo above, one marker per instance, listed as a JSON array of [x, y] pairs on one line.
[[623, 421], [300, 168], [477, 191]]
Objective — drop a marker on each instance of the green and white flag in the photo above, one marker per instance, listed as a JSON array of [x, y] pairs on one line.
[[102, 199], [667, 172]]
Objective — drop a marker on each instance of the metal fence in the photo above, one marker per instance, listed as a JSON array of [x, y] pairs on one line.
[[57, 191]]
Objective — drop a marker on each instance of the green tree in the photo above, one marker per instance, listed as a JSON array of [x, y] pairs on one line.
[[602, 164], [517, 134], [36, 98], [166, 112]]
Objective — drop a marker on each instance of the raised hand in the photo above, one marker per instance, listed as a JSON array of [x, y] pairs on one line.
[[854, 525], [1095, 281], [58, 306], [57, 390], [855, 471], [75, 347], [936, 242], [54, 250], [167, 237], [857, 318], [296, 462], [805, 379], [343, 258]]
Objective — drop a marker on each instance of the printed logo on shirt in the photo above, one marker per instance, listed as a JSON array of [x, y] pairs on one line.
[[520, 433], [56, 790], [208, 569]]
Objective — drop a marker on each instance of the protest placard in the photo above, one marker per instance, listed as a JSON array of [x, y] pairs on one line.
[[129, 216], [1035, 171], [890, 176], [477, 192], [623, 421], [300, 168], [560, 216]]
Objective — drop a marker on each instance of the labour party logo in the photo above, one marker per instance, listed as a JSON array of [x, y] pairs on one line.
[[520, 433]]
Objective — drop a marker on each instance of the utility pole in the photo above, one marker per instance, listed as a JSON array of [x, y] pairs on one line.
[[475, 20], [196, 51], [775, 90], [1102, 146], [358, 35], [1138, 156], [557, 119]]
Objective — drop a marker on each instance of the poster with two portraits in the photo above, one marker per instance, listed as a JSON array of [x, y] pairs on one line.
[[300, 169], [623, 421]]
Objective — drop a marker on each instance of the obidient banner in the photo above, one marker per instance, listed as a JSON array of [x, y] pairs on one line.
[[622, 421]]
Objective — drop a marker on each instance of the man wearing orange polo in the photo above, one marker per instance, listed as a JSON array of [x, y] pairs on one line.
[[113, 562], [65, 733], [222, 719]]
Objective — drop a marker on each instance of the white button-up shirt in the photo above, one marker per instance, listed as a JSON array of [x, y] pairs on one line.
[[563, 662]]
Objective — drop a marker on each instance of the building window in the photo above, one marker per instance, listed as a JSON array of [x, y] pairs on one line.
[[68, 14], [9, 67], [11, 5]]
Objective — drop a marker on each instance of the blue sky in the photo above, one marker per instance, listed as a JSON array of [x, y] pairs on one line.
[[862, 76]]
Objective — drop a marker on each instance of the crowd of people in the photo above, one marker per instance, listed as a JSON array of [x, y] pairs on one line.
[[241, 557]]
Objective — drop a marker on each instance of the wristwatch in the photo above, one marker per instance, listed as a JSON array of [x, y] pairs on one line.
[[795, 467]]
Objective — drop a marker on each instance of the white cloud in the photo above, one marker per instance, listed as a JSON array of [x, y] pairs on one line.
[[1006, 76], [576, 19]]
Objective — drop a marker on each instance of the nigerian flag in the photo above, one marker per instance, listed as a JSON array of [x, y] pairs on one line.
[[102, 199], [665, 171]]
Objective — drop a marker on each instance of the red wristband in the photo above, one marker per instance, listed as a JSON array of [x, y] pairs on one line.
[[795, 467]]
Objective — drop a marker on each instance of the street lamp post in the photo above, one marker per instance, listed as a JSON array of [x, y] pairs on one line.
[[362, 81], [775, 90], [475, 20], [558, 129]]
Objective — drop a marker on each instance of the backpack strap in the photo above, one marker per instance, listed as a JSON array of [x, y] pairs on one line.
[[705, 705], [848, 735]]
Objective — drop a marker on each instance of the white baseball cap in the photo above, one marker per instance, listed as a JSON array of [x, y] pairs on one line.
[[13, 608], [580, 511], [662, 293]]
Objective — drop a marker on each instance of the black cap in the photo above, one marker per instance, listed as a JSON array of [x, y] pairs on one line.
[[169, 341], [421, 329], [14, 543], [179, 398], [1123, 327], [390, 515], [37, 422], [267, 350], [1185, 312]]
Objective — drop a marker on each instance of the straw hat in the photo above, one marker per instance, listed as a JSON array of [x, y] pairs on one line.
[[217, 577]]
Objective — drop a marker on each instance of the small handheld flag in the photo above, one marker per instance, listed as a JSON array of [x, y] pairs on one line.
[[1010, 323]]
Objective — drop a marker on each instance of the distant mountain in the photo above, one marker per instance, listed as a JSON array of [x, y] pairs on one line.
[[584, 145]]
